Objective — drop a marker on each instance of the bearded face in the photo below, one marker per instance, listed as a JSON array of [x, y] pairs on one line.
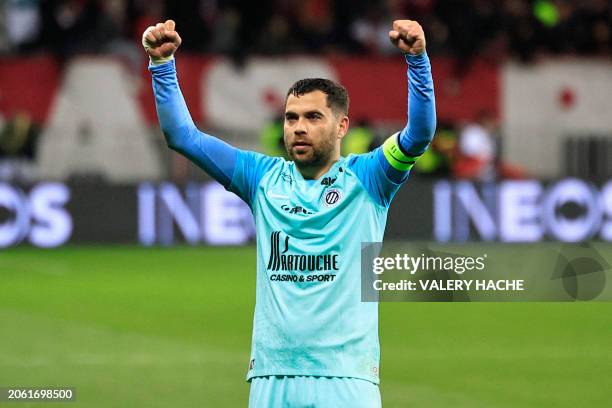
[[312, 130]]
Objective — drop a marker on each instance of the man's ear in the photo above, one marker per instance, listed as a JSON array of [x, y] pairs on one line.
[[343, 126]]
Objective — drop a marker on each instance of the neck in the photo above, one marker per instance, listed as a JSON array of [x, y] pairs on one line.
[[314, 172]]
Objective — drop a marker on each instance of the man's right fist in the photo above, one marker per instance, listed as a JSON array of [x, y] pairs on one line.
[[161, 42], [408, 36]]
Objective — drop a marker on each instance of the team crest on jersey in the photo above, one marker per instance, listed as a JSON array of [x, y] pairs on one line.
[[331, 197]]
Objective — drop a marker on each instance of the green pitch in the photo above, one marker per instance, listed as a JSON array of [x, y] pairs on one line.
[[136, 327]]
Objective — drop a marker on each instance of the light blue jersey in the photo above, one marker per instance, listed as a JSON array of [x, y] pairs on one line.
[[309, 318]]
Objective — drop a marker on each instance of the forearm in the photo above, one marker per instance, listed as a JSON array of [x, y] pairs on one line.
[[419, 131], [214, 156]]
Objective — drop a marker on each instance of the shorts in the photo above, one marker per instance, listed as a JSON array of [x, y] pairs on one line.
[[278, 391]]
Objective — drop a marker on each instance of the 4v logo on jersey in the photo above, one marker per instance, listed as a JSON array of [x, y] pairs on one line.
[[328, 181]]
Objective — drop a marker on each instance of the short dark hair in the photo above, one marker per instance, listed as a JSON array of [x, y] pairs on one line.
[[337, 97]]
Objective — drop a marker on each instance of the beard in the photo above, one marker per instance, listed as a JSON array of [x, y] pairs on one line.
[[311, 154]]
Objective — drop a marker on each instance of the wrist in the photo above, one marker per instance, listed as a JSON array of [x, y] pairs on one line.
[[160, 60]]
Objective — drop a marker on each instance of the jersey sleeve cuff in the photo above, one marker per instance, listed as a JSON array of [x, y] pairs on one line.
[[416, 59], [164, 68]]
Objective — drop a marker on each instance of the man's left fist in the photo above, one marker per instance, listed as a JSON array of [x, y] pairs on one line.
[[408, 36]]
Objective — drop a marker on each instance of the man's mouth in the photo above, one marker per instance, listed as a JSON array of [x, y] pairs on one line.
[[301, 147]]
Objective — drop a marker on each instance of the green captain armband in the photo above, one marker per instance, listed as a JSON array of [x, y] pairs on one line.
[[394, 155]]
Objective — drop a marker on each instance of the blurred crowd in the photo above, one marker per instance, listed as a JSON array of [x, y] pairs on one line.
[[462, 28], [487, 29]]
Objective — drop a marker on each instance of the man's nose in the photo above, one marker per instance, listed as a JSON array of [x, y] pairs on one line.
[[300, 127]]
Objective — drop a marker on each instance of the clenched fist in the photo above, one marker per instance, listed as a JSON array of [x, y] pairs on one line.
[[408, 36], [161, 41]]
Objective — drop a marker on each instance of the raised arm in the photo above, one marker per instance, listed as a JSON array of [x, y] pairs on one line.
[[419, 131], [214, 156], [401, 151], [383, 170], [237, 170]]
